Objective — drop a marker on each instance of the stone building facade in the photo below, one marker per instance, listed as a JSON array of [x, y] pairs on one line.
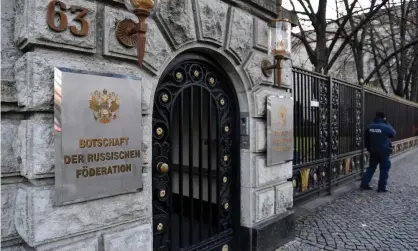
[[231, 33]]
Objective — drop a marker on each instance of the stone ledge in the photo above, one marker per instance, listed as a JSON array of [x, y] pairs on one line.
[[38, 221]]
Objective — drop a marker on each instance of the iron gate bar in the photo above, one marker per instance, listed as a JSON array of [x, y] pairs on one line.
[[191, 195], [330, 89], [308, 108], [305, 129], [362, 126], [218, 168], [297, 114], [210, 164], [201, 164], [181, 116], [318, 116]]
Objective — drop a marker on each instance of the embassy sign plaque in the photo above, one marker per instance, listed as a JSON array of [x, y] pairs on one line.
[[98, 135], [279, 129]]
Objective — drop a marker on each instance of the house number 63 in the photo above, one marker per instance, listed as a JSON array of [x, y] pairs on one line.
[[63, 20]]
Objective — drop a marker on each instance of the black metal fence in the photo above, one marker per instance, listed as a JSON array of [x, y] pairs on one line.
[[329, 118], [401, 114]]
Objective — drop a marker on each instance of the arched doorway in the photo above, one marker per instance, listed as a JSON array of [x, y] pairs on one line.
[[195, 158]]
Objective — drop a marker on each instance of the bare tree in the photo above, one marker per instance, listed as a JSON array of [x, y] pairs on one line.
[[328, 45], [393, 46]]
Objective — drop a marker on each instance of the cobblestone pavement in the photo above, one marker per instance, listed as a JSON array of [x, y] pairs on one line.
[[366, 220]]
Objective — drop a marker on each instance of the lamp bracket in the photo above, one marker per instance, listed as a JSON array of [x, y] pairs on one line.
[[267, 67], [124, 34]]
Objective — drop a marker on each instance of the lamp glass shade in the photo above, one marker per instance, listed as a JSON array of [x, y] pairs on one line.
[[132, 5], [280, 42]]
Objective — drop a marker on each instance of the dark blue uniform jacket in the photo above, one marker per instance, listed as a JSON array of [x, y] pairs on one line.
[[377, 137]]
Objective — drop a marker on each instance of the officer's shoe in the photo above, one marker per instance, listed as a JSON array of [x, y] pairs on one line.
[[382, 190], [365, 187]]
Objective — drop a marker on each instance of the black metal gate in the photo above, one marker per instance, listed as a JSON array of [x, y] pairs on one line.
[[195, 158]]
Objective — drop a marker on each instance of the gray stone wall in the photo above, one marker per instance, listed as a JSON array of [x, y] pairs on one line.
[[234, 36]]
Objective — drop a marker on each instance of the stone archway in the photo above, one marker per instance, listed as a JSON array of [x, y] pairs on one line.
[[195, 163]]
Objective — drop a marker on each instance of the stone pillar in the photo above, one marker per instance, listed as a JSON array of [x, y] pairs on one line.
[[266, 192]]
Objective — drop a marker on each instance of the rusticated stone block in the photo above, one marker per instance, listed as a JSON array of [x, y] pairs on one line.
[[287, 74], [35, 77], [258, 136], [255, 173], [253, 70], [8, 197], [240, 40], [212, 19], [9, 157], [247, 168], [31, 27], [265, 204], [269, 174], [257, 205], [284, 197], [9, 52], [38, 221], [139, 238], [260, 35], [177, 18], [8, 91], [157, 49], [260, 99], [35, 148]]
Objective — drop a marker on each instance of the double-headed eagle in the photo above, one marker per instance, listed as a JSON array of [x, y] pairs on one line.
[[104, 106], [282, 115]]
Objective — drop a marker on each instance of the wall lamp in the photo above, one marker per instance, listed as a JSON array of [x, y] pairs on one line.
[[280, 45], [130, 33]]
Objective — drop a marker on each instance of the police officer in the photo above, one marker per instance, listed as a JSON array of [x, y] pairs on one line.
[[377, 140]]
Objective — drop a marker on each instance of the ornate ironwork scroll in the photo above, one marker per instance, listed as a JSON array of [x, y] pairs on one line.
[[359, 131]]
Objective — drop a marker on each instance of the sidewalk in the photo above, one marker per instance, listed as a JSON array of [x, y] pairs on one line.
[[366, 220]]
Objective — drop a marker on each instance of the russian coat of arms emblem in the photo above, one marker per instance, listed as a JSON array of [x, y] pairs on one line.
[[104, 106], [282, 115]]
